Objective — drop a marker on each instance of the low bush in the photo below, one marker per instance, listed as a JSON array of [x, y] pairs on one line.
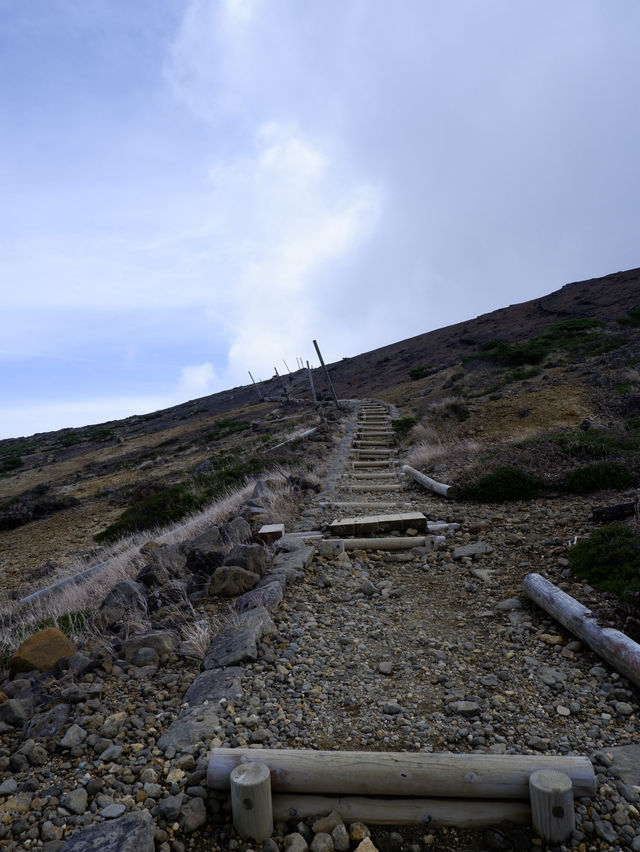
[[608, 559], [223, 428], [173, 502], [631, 319], [502, 485], [421, 372], [598, 476], [403, 425], [10, 461]]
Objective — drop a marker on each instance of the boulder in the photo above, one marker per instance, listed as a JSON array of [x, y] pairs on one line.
[[133, 832], [204, 559], [13, 713], [42, 651], [211, 538], [232, 580], [47, 724], [215, 684], [236, 531], [253, 557], [161, 641]]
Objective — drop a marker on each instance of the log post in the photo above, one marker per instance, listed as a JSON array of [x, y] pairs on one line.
[[401, 774], [615, 647], [428, 483], [552, 813], [251, 801]]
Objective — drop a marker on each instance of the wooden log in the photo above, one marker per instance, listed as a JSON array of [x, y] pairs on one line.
[[615, 647], [251, 800], [390, 543], [428, 483], [552, 813], [604, 514], [463, 813], [402, 774]]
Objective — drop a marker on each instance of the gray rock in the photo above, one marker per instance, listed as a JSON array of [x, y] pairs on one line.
[[211, 538], [169, 807], [606, 831], [113, 811], [214, 684], [146, 657], [193, 815], [295, 843], [340, 837], [464, 708], [47, 724], [236, 531], [8, 787], [385, 667], [133, 832], [268, 596], [550, 676], [80, 663], [239, 644], [110, 753], [232, 580], [74, 737], [322, 843], [13, 713], [74, 693], [251, 557], [76, 801], [508, 605], [126, 594], [623, 708], [162, 642], [476, 549], [195, 725]]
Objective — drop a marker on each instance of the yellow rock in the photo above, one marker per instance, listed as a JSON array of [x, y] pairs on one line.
[[42, 651], [366, 846]]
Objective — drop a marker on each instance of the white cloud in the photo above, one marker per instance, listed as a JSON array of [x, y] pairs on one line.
[[196, 380]]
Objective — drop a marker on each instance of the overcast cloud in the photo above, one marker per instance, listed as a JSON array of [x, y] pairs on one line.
[[193, 189]]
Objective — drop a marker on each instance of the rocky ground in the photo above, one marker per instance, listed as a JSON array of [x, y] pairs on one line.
[[418, 649]]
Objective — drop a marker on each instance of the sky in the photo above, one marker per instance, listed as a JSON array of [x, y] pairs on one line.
[[191, 189]]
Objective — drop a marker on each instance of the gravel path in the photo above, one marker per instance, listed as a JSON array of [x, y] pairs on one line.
[[407, 650]]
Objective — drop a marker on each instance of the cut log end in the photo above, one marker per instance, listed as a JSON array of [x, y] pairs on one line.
[[552, 812]]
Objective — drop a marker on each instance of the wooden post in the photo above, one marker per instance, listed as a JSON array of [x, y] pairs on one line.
[[402, 774], [326, 372], [313, 390], [615, 647], [552, 813], [255, 386], [251, 801], [427, 482]]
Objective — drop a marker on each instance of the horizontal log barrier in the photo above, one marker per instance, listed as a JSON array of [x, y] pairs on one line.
[[401, 774], [463, 813], [392, 542], [615, 647], [428, 483]]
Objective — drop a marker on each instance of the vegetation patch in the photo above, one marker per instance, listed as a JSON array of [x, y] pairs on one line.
[[631, 319], [32, 505], [174, 502], [10, 461], [403, 425], [598, 476], [223, 428], [595, 444], [502, 485], [421, 372], [575, 337], [608, 559]]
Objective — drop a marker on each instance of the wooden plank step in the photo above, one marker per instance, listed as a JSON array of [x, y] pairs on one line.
[[400, 521]]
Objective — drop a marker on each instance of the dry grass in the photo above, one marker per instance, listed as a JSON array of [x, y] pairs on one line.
[[120, 561], [451, 454]]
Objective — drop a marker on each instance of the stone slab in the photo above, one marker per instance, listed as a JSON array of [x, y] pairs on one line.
[[379, 523], [133, 832], [214, 684], [478, 548]]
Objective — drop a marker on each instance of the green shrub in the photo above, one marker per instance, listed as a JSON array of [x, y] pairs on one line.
[[68, 439], [631, 318], [502, 485], [223, 428], [10, 461], [174, 502], [595, 444], [420, 372], [521, 374], [609, 559], [100, 433], [510, 354], [403, 426], [598, 476]]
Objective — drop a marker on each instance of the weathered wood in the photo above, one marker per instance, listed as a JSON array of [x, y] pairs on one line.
[[615, 647], [402, 774], [428, 483], [552, 813], [251, 800], [463, 813], [391, 543], [604, 514]]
